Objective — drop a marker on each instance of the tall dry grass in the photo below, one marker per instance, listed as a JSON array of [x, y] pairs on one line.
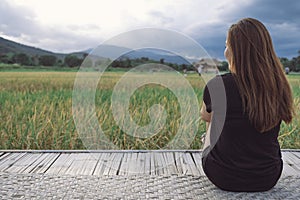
[[36, 112]]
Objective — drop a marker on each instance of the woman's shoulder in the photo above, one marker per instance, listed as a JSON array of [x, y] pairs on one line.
[[221, 79]]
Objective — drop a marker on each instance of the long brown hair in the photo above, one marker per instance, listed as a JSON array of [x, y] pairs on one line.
[[263, 86]]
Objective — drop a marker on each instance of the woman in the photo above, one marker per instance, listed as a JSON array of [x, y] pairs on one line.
[[245, 155]]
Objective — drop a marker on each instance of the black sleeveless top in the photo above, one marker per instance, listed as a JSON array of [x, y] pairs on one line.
[[239, 157]]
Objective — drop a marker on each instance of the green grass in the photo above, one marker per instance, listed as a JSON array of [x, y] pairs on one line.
[[21, 68], [36, 112]]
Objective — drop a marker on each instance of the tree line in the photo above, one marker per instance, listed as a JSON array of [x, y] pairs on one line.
[[72, 60], [293, 64], [126, 62], [23, 59]]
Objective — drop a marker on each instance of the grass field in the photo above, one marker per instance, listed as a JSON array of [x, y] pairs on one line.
[[36, 112]]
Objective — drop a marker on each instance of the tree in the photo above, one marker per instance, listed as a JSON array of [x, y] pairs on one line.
[[224, 66], [85, 55], [162, 61], [127, 63], [4, 58], [72, 61], [21, 58], [298, 62], [47, 60], [145, 58], [183, 67], [286, 63], [293, 65], [35, 60], [60, 63], [115, 64]]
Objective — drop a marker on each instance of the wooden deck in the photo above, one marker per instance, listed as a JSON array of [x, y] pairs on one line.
[[118, 162]]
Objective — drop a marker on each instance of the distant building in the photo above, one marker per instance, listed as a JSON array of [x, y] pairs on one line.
[[287, 70], [207, 65]]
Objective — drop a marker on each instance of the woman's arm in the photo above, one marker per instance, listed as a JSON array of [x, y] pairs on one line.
[[206, 116]]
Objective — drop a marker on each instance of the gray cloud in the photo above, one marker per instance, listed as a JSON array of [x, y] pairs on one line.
[[276, 11], [210, 35], [19, 22], [282, 18], [16, 20]]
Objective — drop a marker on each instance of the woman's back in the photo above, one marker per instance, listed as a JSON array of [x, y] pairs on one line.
[[241, 153], [244, 154]]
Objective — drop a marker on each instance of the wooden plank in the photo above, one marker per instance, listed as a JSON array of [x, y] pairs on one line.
[[152, 164], [198, 159], [182, 166], [186, 165], [23, 163], [61, 164], [124, 164], [170, 162], [40, 164], [192, 165], [154, 161], [160, 165], [178, 163], [116, 162], [286, 158], [297, 154], [46, 163], [73, 168], [288, 170], [141, 162], [109, 165], [9, 160], [291, 163], [83, 164], [88, 164], [101, 164], [114, 151], [4, 156], [103, 151], [132, 164], [292, 158], [147, 167], [166, 169]]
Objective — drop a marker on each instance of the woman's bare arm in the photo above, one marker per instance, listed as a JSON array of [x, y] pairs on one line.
[[206, 116]]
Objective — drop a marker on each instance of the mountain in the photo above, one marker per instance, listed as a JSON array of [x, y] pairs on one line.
[[157, 54], [115, 52], [10, 47], [106, 51]]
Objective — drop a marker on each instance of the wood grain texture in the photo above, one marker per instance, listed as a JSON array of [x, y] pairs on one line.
[[108, 163]]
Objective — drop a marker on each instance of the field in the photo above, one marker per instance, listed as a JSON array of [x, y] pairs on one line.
[[36, 112]]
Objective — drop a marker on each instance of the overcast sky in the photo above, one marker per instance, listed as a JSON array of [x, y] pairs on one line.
[[74, 25]]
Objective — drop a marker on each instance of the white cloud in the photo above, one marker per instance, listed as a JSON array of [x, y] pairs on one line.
[[68, 25]]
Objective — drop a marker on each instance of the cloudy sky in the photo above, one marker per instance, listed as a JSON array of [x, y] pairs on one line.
[[74, 25]]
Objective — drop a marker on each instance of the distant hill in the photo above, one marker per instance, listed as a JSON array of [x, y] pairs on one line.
[[10, 47], [112, 52], [7, 46], [157, 54], [108, 51]]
